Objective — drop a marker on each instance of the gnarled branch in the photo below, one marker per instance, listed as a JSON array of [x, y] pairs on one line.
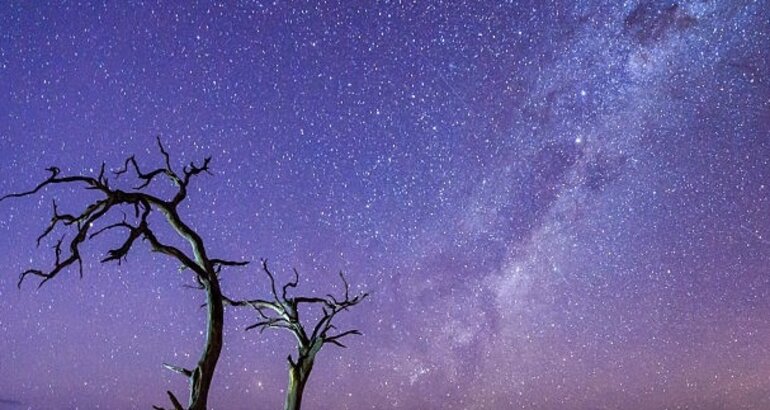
[[283, 310], [94, 220]]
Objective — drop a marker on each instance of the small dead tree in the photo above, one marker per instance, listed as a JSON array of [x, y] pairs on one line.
[[283, 312], [83, 227]]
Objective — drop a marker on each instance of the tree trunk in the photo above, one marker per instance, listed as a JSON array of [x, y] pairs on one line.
[[200, 382], [298, 375]]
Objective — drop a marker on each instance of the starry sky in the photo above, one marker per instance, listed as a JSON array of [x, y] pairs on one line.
[[555, 204]]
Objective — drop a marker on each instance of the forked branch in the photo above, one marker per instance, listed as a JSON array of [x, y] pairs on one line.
[[95, 219], [282, 310]]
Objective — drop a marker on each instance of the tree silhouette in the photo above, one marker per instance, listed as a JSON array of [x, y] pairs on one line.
[[283, 312], [143, 204]]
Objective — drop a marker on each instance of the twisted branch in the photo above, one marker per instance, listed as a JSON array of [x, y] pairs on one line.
[[81, 224], [283, 311]]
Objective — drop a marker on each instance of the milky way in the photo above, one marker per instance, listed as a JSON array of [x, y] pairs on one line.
[[554, 204]]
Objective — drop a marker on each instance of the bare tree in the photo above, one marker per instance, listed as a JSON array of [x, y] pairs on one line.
[[283, 312], [83, 227]]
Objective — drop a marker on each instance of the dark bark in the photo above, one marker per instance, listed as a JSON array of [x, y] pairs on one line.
[[205, 270], [299, 373], [199, 387], [282, 311], [298, 376]]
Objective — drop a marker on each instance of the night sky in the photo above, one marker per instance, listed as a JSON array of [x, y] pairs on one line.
[[555, 204]]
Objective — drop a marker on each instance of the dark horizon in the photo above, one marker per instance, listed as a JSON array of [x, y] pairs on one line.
[[554, 205]]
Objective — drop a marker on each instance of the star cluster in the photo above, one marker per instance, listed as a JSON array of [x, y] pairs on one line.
[[555, 204]]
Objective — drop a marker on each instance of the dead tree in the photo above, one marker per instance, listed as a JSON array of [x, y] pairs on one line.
[[97, 218], [283, 312]]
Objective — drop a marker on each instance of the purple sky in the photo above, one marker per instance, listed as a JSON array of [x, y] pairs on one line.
[[555, 205]]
